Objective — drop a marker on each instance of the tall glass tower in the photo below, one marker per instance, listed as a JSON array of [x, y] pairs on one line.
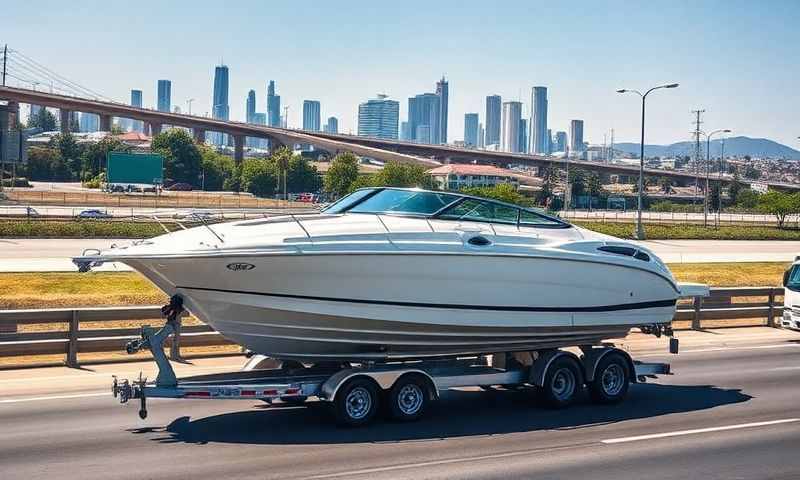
[[538, 125], [220, 108], [273, 106], [493, 107], [512, 114], [164, 96], [471, 129], [311, 115], [379, 118], [136, 101], [442, 91], [251, 106], [423, 117]]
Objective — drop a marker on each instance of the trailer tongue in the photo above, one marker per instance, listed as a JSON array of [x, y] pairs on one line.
[[356, 390]]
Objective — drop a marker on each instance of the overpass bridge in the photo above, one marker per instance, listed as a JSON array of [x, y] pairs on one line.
[[378, 149]]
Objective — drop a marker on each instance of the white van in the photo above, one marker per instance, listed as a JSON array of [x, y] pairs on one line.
[[791, 296]]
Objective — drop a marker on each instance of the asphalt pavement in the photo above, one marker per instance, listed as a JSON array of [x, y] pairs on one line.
[[730, 411]]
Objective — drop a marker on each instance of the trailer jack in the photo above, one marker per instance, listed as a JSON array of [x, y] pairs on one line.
[[153, 340]]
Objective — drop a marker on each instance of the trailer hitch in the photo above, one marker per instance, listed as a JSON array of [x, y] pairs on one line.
[[153, 340]]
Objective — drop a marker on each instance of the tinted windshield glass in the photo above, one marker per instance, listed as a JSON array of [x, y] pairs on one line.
[[793, 278], [531, 218], [404, 201], [343, 203], [480, 211]]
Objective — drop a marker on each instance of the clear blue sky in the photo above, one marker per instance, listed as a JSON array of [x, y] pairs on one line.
[[737, 59]]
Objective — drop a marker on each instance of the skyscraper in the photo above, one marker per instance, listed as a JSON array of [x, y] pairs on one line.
[[405, 131], [164, 96], [136, 101], [481, 135], [89, 122], [331, 125], [549, 139], [424, 110], [493, 120], [220, 108], [509, 138], [560, 143], [273, 106], [442, 91], [538, 140], [471, 130], [311, 116], [251, 107], [523, 135], [378, 117], [575, 137]]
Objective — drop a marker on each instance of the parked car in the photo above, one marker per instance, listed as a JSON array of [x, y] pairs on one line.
[[94, 213], [179, 187]]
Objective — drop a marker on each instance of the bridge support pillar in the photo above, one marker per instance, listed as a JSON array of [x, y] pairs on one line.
[[199, 135], [105, 123], [238, 148], [64, 117], [155, 128]]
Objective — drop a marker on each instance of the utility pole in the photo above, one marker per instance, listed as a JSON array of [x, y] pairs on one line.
[[5, 55], [611, 160], [696, 134]]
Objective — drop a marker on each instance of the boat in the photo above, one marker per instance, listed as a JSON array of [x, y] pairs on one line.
[[390, 273]]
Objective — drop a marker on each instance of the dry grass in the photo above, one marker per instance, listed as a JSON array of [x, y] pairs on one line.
[[54, 290]]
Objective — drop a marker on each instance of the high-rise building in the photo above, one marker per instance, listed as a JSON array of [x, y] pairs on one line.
[[442, 91], [164, 96], [251, 107], [471, 130], [560, 142], [538, 137], [378, 117], [331, 125], [481, 135], [311, 115], [423, 134], [509, 137], [424, 110], [493, 120], [258, 118], [136, 101], [549, 139], [273, 106], [405, 132], [89, 122], [523, 135], [220, 107], [575, 137]]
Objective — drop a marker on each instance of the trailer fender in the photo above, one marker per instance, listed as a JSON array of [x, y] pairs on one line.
[[591, 358], [543, 362], [383, 379]]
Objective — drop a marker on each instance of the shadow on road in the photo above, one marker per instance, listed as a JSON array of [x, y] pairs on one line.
[[458, 414]]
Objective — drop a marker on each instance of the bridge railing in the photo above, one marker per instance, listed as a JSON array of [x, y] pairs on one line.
[[63, 335]]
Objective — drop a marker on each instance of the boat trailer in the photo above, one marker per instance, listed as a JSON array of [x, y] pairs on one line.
[[356, 390]]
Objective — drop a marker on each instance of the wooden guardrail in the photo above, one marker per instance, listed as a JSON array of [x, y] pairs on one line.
[[71, 331]]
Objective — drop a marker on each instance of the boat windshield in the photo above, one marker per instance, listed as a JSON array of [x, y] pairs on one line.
[[446, 206]]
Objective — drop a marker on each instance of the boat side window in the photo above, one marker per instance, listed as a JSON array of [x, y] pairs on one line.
[[345, 202], [528, 218], [404, 201], [480, 211], [793, 279]]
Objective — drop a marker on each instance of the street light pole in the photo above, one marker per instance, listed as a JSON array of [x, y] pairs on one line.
[[639, 227], [719, 181], [708, 172]]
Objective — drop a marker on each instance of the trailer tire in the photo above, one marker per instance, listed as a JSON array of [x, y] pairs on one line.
[[409, 397], [562, 382], [611, 380], [356, 402]]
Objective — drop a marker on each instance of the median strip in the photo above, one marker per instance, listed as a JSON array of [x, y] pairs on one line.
[[57, 397], [698, 430]]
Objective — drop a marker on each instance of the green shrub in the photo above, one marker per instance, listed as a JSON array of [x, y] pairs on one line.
[[78, 229], [693, 232]]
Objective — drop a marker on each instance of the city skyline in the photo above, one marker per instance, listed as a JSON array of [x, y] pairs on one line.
[[580, 68]]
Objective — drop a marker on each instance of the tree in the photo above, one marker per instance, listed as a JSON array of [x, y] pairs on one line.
[[747, 198], [505, 192], [46, 164], [751, 172], [549, 182], [182, 157], [734, 188], [341, 174], [302, 176], [70, 153], [406, 175], [779, 204], [577, 181], [216, 169], [259, 177], [94, 155], [665, 184], [43, 120], [594, 187], [714, 197]]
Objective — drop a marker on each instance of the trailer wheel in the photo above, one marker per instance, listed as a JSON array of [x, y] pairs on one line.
[[408, 398], [356, 402], [561, 383], [611, 380]]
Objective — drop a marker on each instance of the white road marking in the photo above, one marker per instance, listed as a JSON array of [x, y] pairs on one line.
[[56, 397], [725, 349], [83, 375], [698, 430]]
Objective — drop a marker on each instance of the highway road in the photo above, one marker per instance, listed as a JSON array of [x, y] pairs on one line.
[[730, 411], [53, 255]]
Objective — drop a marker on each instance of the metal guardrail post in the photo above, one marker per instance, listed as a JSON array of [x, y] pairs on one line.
[[698, 303], [72, 346], [771, 312]]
